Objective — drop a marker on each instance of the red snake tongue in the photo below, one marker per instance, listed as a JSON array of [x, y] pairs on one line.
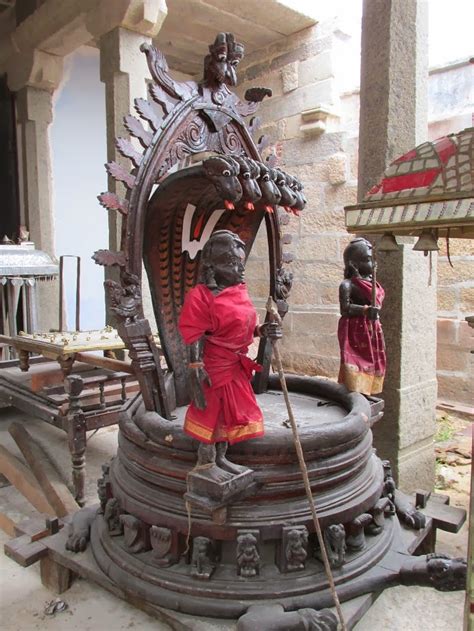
[[269, 209], [295, 212], [287, 208], [249, 206], [229, 205]]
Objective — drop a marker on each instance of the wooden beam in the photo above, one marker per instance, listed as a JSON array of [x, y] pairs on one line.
[[54, 576], [7, 525], [105, 362], [24, 551], [57, 493], [24, 481]]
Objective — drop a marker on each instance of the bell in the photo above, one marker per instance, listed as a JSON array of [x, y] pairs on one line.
[[427, 242], [388, 243]]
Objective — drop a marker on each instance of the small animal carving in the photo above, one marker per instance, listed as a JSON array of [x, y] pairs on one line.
[[248, 558], [112, 517], [203, 558], [355, 539], [401, 504], [335, 542], [377, 524]]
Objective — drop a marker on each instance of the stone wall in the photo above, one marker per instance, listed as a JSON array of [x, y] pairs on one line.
[[451, 107], [303, 75]]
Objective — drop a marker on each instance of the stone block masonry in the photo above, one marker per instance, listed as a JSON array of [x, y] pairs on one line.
[[300, 71]]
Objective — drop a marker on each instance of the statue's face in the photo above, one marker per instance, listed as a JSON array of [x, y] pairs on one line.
[[362, 260], [229, 266], [365, 262]]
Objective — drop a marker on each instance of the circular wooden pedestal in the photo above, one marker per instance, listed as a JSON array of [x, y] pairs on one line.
[[141, 544]]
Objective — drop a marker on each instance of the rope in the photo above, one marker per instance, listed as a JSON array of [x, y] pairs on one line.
[[197, 467], [447, 248], [188, 536], [304, 473]]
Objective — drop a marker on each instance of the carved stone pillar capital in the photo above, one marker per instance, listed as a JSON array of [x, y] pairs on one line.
[[141, 16], [35, 69]]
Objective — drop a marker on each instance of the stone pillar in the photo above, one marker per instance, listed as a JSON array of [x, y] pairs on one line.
[[393, 85], [34, 79], [34, 116], [124, 71]]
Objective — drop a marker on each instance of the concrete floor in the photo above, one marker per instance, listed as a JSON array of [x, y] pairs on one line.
[[23, 598]]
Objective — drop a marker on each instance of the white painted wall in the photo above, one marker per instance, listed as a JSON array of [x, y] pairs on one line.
[[79, 152]]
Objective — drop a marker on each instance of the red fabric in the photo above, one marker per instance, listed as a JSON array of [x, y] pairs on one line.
[[228, 321], [361, 340]]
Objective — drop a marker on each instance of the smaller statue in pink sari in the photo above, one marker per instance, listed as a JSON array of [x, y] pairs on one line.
[[360, 333]]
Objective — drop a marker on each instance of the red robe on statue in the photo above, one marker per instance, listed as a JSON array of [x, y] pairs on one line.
[[362, 346], [227, 321]]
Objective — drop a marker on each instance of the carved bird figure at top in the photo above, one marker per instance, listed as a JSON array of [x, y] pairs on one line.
[[220, 74], [224, 56]]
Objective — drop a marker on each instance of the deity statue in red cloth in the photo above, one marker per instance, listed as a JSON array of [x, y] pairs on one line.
[[360, 333], [218, 322]]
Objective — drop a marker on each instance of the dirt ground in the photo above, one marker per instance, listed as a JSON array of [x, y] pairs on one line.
[[453, 448]]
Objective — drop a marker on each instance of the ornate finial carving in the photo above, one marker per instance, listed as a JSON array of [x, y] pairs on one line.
[[125, 298], [220, 64]]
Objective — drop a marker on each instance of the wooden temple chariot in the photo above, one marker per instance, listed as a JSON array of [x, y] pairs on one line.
[[252, 554]]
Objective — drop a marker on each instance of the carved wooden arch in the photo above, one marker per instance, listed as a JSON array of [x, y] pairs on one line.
[[205, 117]]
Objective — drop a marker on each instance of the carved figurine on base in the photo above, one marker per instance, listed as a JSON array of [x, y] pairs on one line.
[[360, 335], [203, 558], [297, 540], [248, 558], [401, 503], [335, 542], [218, 322]]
